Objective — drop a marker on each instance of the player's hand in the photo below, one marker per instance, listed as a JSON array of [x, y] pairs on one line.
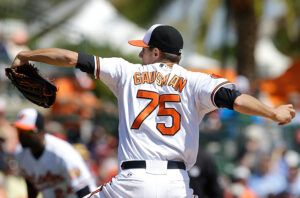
[[18, 61], [284, 114]]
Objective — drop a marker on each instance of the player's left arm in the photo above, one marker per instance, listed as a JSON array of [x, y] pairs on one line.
[[57, 57], [51, 56]]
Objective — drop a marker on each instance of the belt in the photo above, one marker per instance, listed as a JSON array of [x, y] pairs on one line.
[[142, 164]]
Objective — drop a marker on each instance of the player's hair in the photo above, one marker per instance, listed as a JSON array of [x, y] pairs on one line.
[[171, 57], [174, 58]]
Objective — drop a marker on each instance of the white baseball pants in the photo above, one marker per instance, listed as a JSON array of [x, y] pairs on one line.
[[154, 181]]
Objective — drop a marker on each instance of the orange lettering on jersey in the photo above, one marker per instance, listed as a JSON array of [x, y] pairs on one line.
[[137, 78], [145, 78], [165, 80], [159, 79], [174, 81], [152, 77], [162, 80], [180, 85]]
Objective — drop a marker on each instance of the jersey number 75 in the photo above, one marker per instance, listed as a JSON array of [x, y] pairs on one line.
[[159, 100]]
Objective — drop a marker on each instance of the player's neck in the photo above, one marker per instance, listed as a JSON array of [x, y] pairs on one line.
[[168, 63], [38, 149], [37, 153]]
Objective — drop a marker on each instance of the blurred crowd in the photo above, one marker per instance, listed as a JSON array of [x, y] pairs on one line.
[[240, 156]]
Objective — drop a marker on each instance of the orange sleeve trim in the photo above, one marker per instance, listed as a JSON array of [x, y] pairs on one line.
[[98, 68], [214, 91]]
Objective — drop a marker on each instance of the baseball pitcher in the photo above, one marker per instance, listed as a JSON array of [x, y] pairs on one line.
[[160, 107]]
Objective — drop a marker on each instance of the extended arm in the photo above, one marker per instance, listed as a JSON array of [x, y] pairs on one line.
[[249, 105], [246, 104], [52, 56]]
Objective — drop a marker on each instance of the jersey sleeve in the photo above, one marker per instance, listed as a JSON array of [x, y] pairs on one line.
[[111, 71], [19, 156], [76, 170], [206, 86]]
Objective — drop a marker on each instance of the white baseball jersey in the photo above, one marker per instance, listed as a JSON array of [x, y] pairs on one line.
[[160, 109], [59, 172]]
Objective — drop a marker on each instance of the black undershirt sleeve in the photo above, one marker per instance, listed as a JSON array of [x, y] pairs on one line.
[[84, 191], [224, 97], [86, 63]]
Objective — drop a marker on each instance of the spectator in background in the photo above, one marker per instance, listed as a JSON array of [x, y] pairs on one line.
[[17, 42], [243, 84], [293, 178], [86, 156], [107, 159], [10, 46], [294, 98], [204, 177], [56, 129], [10, 134], [211, 123], [49, 165], [255, 142], [97, 138], [266, 180], [239, 187], [4, 58]]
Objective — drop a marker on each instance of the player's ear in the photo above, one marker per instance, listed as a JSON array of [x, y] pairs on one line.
[[156, 52]]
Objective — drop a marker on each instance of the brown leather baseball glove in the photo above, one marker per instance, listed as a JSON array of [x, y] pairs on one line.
[[32, 85]]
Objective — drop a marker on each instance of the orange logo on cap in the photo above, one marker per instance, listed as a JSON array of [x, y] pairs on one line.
[[21, 117]]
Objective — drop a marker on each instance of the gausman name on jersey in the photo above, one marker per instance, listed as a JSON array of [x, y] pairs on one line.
[[177, 82]]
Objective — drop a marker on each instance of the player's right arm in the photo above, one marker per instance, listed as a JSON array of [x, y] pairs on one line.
[[246, 104], [249, 105], [32, 192], [51, 56], [224, 96]]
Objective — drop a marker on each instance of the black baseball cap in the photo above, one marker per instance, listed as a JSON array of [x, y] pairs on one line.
[[29, 119], [164, 37]]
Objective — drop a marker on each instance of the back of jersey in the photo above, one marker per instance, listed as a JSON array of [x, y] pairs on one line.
[[160, 108]]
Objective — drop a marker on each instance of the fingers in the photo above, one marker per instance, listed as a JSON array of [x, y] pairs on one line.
[[17, 62], [291, 110], [284, 114], [290, 114], [293, 113]]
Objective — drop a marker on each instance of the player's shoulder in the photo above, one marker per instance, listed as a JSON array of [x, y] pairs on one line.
[[118, 61], [56, 144], [199, 75], [120, 64], [191, 74], [61, 149]]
